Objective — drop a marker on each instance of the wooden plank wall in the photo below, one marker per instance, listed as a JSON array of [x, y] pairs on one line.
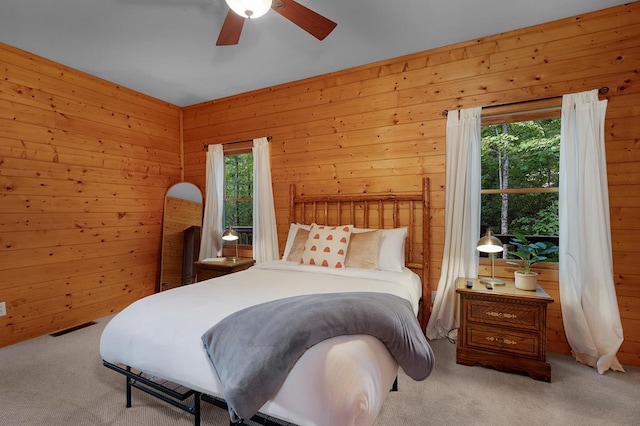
[[378, 128], [84, 165]]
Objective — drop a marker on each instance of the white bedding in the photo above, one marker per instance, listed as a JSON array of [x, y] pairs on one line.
[[340, 381]]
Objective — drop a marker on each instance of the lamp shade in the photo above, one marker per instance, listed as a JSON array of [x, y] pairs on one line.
[[249, 8], [489, 243], [230, 234]]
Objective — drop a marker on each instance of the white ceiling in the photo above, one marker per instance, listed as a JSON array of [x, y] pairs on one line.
[[166, 48]]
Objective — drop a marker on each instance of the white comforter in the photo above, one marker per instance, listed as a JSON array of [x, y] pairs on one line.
[[340, 381]]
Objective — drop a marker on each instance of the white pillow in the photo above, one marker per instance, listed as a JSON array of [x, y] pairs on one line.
[[293, 230], [391, 257], [392, 249]]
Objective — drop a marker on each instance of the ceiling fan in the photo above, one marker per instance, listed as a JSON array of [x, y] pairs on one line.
[[239, 10]]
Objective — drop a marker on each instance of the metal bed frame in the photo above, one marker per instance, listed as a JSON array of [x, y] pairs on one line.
[[177, 396]]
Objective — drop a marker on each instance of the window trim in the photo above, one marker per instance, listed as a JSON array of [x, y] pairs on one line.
[[512, 113], [519, 190], [521, 111], [237, 149]]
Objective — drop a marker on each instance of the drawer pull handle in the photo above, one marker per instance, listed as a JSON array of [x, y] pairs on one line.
[[501, 315], [501, 340]]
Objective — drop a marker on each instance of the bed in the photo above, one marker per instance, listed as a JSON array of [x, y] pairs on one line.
[[157, 342]]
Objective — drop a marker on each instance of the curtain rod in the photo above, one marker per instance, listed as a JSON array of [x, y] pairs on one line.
[[235, 142], [601, 91]]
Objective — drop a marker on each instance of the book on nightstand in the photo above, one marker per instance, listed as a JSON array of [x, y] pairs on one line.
[[213, 259]]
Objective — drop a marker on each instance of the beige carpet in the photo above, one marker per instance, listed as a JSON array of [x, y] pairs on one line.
[[61, 381]]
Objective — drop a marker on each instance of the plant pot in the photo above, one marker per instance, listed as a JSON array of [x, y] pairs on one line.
[[526, 281]]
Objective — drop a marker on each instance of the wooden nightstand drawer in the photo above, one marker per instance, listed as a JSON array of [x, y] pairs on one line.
[[506, 314], [503, 340]]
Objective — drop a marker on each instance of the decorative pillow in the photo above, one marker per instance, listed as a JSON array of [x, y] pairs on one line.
[[293, 230], [295, 254], [364, 249], [326, 246], [391, 256]]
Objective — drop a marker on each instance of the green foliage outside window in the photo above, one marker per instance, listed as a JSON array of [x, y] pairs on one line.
[[238, 181], [521, 155]]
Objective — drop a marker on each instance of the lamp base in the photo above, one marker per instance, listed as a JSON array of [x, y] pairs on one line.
[[493, 281]]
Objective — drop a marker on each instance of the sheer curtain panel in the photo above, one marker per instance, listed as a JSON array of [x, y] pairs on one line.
[[589, 305], [265, 234], [462, 217], [212, 223]]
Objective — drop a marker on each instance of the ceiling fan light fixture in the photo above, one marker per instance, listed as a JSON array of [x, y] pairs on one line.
[[249, 8]]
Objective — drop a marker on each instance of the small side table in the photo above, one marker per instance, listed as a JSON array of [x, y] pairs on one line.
[[504, 328], [204, 271]]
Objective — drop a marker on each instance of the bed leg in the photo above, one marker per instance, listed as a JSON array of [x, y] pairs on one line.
[[128, 388], [196, 409], [394, 388]]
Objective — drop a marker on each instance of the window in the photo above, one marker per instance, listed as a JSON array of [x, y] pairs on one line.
[[520, 177], [238, 195]]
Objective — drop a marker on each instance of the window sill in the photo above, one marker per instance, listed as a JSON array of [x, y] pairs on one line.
[[552, 266]]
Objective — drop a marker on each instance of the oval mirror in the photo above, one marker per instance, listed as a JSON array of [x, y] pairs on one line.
[[181, 227]]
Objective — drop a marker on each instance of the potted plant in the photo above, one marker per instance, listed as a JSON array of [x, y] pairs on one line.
[[529, 254]]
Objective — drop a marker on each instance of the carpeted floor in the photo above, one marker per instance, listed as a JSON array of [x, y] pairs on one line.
[[61, 381]]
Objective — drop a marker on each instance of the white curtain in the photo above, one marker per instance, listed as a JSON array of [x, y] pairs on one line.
[[462, 217], [589, 305], [265, 234], [213, 222]]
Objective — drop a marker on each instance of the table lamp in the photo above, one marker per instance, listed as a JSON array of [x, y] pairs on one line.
[[491, 245], [231, 235]]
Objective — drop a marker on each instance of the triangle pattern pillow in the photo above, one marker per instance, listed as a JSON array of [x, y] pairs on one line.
[[326, 246]]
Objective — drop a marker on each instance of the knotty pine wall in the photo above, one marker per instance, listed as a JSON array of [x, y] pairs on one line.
[[84, 165], [379, 128]]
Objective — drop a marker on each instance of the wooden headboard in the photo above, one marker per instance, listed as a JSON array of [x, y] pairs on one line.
[[379, 211]]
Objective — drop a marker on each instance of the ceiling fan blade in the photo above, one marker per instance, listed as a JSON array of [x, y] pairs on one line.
[[231, 29], [310, 21]]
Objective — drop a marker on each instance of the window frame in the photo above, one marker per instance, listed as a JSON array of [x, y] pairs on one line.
[[512, 113], [237, 149]]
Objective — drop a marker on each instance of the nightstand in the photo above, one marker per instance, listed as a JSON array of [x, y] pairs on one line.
[[204, 271], [504, 328]]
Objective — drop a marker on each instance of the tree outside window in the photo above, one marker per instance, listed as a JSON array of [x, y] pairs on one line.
[[520, 178], [238, 198]]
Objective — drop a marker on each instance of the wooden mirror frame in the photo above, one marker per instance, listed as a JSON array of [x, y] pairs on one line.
[[181, 227]]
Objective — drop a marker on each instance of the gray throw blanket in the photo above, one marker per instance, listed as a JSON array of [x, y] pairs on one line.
[[254, 349]]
